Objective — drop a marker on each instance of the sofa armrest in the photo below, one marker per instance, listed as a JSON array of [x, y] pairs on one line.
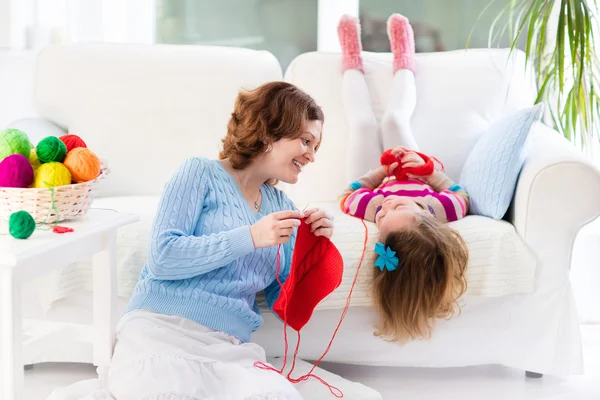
[[557, 193], [38, 128]]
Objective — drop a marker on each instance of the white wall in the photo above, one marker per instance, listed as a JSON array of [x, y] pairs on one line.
[[4, 23], [59, 21], [329, 14], [16, 86], [15, 17], [33, 24], [116, 21]]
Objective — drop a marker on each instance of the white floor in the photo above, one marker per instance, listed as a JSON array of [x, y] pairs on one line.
[[483, 382]]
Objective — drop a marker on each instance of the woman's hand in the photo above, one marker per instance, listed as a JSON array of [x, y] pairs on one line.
[[275, 228], [320, 221]]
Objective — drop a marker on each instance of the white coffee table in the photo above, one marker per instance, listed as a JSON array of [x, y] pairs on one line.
[[20, 260]]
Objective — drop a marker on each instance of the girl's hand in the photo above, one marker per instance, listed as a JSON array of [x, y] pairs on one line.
[[384, 171], [411, 160], [320, 221], [275, 228], [400, 151]]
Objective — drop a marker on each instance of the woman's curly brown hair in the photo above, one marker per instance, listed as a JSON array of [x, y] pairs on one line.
[[429, 280], [262, 116]]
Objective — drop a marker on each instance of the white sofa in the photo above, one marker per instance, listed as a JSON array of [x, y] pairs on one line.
[[144, 109]]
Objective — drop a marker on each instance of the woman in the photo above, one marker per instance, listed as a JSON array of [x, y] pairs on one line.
[[185, 332]]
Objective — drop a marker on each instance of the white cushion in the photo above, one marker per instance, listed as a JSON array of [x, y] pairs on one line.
[[491, 171], [145, 109], [459, 95], [37, 128], [499, 261]]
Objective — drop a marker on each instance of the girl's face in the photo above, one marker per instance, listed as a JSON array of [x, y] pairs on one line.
[[397, 213], [287, 157]]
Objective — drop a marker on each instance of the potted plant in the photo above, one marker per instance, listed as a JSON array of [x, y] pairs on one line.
[[558, 38]]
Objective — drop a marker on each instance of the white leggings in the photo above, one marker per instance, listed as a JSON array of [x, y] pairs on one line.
[[367, 138]]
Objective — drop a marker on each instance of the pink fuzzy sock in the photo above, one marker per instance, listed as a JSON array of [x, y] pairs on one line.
[[349, 35], [402, 42]]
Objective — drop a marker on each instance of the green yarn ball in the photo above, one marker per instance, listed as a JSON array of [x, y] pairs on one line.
[[14, 141], [21, 225], [51, 149]]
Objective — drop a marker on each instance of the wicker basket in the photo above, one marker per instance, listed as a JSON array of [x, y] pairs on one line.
[[69, 200]]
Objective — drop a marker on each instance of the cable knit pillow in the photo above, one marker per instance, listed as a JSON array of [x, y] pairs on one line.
[[491, 170]]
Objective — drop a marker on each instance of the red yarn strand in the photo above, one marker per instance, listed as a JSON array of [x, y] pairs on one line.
[[334, 390], [260, 364], [348, 299], [439, 162]]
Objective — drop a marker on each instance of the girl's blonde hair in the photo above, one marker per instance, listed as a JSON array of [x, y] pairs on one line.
[[427, 283]]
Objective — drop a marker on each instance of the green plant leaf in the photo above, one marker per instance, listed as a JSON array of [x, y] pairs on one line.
[[535, 21], [541, 47], [528, 12], [566, 64], [542, 90], [479, 17], [582, 107], [570, 33], [560, 43], [493, 25]]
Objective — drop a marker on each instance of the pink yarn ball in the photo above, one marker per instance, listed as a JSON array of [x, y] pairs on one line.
[[16, 171]]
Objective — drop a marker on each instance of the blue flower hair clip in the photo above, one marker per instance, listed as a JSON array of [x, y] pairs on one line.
[[387, 257]]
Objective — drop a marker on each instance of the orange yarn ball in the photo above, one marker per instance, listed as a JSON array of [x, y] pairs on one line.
[[83, 164]]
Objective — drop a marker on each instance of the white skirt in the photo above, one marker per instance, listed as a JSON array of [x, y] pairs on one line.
[[160, 357]]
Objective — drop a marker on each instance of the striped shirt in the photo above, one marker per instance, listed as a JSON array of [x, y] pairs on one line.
[[439, 195]]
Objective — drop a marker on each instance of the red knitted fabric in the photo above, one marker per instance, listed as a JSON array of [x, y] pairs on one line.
[[316, 271], [388, 158]]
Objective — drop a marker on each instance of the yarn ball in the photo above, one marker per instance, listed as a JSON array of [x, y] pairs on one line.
[[83, 164], [401, 173], [14, 141], [21, 225], [15, 171], [51, 174], [51, 149], [387, 158], [33, 159], [72, 142]]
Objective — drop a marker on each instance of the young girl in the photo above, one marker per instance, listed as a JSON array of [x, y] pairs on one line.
[[420, 269]]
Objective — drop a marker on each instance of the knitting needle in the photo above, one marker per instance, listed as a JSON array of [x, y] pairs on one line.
[[302, 212]]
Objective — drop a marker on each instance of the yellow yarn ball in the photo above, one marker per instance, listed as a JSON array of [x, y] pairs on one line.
[[33, 159], [83, 164], [51, 174]]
